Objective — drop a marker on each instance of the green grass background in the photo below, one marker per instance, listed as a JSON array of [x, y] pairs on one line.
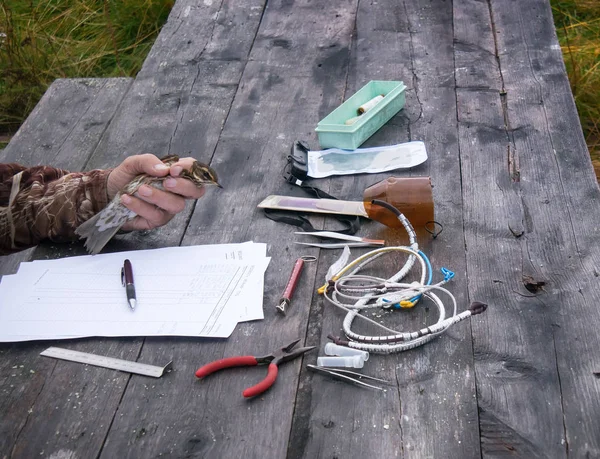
[[41, 40], [47, 39]]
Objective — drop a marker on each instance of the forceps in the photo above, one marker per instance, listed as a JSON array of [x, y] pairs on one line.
[[354, 241], [348, 376]]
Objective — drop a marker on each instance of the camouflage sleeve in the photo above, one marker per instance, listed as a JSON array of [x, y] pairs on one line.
[[42, 202]]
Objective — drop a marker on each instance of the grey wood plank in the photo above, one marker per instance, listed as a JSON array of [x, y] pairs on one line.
[[576, 358], [67, 122], [287, 84], [439, 388], [63, 130], [9, 264], [414, 44], [58, 407], [515, 381], [526, 377], [565, 251], [513, 340]]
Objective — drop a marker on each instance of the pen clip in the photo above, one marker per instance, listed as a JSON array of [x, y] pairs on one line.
[[123, 277]]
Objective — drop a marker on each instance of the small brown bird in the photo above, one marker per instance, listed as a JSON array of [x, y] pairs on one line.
[[100, 229]]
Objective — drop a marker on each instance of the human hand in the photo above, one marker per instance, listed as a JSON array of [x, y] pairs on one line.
[[153, 207]]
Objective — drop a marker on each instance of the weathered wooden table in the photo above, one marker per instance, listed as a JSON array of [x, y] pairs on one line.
[[235, 83]]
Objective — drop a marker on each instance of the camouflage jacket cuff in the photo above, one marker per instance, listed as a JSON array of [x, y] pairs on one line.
[[43, 202]]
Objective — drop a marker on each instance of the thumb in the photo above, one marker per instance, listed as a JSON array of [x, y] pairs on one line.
[[145, 164]]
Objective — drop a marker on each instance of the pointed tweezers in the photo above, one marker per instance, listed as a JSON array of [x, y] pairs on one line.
[[347, 376], [354, 241]]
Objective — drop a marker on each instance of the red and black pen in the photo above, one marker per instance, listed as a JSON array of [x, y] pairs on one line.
[[127, 281]]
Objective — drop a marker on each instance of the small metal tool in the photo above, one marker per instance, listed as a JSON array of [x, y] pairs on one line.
[[288, 292], [348, 376], [106, 362], [353, 241]]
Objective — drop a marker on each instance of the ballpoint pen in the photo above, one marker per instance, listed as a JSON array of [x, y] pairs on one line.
[[127, 281]]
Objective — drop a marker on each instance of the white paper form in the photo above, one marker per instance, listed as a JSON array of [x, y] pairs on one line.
[[249, 251], [198, 303], [179, 293], [189, 255]]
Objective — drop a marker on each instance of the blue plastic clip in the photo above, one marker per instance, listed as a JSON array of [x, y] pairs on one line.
[[447, 274]]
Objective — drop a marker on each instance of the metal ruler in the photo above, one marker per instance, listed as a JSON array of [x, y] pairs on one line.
[[106, 362]]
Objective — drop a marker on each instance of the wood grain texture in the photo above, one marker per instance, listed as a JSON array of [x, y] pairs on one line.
[[439, 390], [513, 344], [525, 380], [560, 214], [71, 117]]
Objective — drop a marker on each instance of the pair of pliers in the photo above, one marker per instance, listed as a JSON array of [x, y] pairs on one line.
[[282, 355], [353, 241]]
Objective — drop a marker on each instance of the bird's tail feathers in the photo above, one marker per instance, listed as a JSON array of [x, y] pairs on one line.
[[95, 238]]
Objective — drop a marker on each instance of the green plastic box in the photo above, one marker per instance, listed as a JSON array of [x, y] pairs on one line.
[[332, 131]]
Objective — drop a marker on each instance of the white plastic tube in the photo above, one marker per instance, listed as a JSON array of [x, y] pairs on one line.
[[334, 349], [350, 361], [370, 104]]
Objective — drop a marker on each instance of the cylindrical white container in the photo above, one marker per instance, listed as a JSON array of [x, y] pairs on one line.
[[364, 108], [334, 349], [350, 361]]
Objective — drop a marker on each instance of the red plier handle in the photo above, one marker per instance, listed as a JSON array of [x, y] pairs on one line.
[[241, 361]]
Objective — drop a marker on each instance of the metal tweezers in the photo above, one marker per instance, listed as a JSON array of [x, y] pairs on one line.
[[348, 376], [354, 241]]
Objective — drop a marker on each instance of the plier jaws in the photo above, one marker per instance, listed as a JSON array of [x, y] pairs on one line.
[[285, 354], [282, 355]]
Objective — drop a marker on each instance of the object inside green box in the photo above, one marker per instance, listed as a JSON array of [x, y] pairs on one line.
[[334, 133]]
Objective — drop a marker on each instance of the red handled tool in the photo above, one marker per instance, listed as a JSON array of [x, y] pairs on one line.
[[282, 355]]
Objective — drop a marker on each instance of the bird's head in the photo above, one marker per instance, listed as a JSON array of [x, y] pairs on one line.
[[201, 175]]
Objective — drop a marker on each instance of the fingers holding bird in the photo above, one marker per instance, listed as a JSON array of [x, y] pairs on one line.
[[155, 207], [179, 166], [146, 192], [184, 186], [152, 211], [176, 188], [130, 168]]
